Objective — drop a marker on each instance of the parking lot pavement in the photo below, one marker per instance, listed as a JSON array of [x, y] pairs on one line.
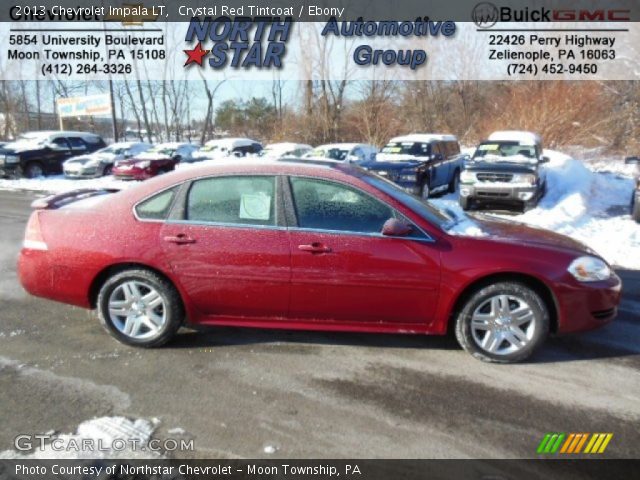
[[305, 394]]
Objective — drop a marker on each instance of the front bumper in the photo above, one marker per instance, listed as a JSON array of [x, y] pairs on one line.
[[131, 173], [589, 305], [82, 172], [498, 193]]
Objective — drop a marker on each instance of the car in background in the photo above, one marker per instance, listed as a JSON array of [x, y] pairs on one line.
[[307, 245], [159, 159], [35, 154], [506, 170], [344, 152], [422, 163], [225, 147], [635, 198], [285, 149], [100, 163]]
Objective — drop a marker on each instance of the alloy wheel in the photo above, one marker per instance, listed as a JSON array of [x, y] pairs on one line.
[[137, 309], [503, 324]]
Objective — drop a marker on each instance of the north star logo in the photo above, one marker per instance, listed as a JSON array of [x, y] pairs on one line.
[[244, 42]]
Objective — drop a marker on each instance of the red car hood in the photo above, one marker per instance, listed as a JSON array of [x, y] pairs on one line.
[[514, 232]]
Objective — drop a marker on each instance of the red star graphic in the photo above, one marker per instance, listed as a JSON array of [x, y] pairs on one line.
[[195, 55]]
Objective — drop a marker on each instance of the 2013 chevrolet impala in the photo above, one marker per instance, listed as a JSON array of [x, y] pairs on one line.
[[307, 245]]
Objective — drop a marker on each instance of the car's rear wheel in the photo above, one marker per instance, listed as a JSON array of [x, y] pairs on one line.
[[34, 170], [425, 190], [140, 308], [503, 323], [107, 170]]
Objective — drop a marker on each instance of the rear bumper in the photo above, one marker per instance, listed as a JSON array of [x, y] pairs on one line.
[[586, 306], [42, 278], [492, 193]]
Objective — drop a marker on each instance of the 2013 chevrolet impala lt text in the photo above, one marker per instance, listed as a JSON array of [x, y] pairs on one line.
[[308, 245]]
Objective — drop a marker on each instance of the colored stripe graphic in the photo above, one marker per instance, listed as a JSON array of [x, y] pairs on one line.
[[573, 443], [551, 442]]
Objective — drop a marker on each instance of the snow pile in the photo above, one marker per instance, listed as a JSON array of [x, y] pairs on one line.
[[110, 437], [587, 205]]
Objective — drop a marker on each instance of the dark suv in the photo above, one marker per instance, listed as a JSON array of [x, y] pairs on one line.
[[422, 164], [35, 154], [506, 170], [635, 199]]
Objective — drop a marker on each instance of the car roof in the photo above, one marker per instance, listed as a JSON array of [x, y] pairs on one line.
[[520, 136], [232, 142], [425, 137], [343, 145]]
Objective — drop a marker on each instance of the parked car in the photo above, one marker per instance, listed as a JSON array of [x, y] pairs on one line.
[[100, 163], [286, 149], [422, 164], [506, 170], [225, 147], [35, 154], [344, 152], [307, 245], [635, 198], [159, 159]]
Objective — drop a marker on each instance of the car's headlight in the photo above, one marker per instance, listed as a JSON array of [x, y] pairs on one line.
[[11, 159], [527, 178], [589, 269], [408, 175], [144, 164], [467, 177]]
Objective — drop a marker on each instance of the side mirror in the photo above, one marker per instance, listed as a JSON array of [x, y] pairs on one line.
[[632, 160], [396, 228], [544, 159]]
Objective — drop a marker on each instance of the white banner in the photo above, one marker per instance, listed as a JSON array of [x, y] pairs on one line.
[[92, 105]]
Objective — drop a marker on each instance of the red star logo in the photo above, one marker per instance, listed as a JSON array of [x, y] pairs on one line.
[[195, 55]]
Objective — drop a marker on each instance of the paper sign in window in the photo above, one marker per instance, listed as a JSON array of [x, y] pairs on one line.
[[255, 207]]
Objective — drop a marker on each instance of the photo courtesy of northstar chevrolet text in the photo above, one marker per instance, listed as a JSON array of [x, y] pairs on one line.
[[309, 239]]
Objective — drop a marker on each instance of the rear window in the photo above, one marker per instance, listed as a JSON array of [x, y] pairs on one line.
[[158, 206]]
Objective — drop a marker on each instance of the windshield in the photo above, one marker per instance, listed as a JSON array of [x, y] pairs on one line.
[[163, 149], [332, 153], [407, 148], [112, 149], [504, 150], [425, 209], [32, 138]]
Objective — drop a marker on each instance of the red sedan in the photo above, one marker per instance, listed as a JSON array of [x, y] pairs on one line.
[[162, 158], [300, 245]]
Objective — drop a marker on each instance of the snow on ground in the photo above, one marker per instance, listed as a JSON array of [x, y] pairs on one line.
[[588, 205], [110, 437], [587, 200]]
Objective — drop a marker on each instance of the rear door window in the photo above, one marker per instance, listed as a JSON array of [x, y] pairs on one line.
[[242, 200], [158, 206]]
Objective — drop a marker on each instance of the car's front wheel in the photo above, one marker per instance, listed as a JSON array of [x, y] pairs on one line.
[[140, 308], [504, 322], [635, 211], [34, 170]]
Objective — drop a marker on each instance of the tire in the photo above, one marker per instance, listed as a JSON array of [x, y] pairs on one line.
[[34, 170], [635, 210], [106, 171], [481, 316], [455, 180], [465, 203], [125, 292], [425, 190]]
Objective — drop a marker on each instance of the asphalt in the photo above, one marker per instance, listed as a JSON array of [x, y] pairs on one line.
[[309, 395]]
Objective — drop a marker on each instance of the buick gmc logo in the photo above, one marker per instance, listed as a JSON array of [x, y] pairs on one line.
[[486, 15]]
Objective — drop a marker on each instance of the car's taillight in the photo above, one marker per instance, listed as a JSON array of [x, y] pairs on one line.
[[33, 238]]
